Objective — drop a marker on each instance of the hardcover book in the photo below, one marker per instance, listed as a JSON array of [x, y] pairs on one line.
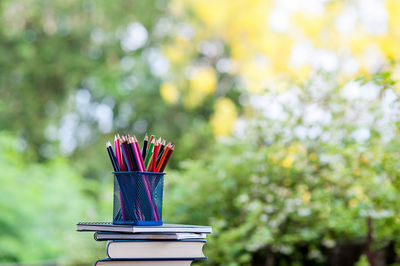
[[165, 228], [143, 249], [143, 262], [102, 236]]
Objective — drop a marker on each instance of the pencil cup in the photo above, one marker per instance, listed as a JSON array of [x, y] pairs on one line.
[[138, 198]]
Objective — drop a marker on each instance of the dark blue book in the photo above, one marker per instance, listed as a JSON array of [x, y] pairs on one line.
[[155, 249], [147, 262]]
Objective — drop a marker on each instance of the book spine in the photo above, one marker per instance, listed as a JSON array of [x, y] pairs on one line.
[[108, 244], [160, 240], [154, 259]]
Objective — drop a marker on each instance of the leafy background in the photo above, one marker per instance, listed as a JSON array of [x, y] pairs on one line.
[[285, 114]]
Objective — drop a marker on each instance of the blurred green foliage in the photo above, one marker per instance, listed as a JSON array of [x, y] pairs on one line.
[[275, 191], [39, 204]]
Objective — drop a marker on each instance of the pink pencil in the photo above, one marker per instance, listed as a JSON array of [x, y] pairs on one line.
[[154, 209], [116, 148], [119, 155], [135, 141]]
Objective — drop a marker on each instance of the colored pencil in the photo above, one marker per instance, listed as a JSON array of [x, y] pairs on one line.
[[164, 155], [137, 154], [112, 157], [151, 163], [151, 138], [167, 158], [155, 155], [126, 154], [144, 148], [119, 155], [132, 152], [149, 153], [160, 152], [140, 159], [116, 150]]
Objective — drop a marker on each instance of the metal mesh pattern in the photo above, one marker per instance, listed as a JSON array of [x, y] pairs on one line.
[[138, 198]]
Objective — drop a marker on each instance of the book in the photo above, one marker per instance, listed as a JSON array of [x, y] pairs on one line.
[[102, 236], [139, 249], [148, 262], [165, 228]]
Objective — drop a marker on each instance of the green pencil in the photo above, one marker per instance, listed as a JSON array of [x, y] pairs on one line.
[[149, 153]]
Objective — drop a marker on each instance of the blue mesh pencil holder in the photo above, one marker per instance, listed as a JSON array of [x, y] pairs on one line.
[[138, 198]]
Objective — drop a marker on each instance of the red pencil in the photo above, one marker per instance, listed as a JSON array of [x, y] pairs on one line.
[[155, 154], [121, 156], [151, 167], [151, 138]]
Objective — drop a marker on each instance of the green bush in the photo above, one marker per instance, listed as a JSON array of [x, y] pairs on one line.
[[281, 184]]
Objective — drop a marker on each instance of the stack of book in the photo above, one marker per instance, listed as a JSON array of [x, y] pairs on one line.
[[165, 245]]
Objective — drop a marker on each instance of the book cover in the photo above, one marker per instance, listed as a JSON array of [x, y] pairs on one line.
[[165, 228], [125, 249], [103, 236], [147, 262]]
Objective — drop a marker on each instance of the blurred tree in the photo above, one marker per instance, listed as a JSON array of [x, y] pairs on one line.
[[51, 49]]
